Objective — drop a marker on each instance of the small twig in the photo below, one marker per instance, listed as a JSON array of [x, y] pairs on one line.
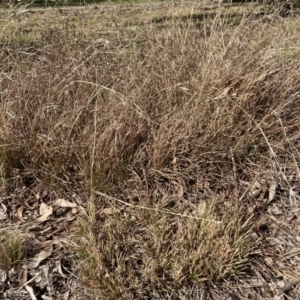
[[234, 168], [154, 209]]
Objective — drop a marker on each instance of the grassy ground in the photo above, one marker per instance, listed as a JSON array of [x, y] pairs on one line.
[[150, 151]]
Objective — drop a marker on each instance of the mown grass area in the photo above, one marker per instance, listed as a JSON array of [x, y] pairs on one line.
[[166, 121]]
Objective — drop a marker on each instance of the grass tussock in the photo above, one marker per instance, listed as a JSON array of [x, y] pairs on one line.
[[155, 255], [171, 120], [11, 250]]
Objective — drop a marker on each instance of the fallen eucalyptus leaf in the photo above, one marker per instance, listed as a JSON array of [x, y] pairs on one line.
[[23, 277], [272, 190], [45, 212], [3, 210], [58, 265], [19, 215], [39, 257], [64, 203], [30, 291]]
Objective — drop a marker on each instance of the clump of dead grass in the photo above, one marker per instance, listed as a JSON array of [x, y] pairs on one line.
[[169, 116]]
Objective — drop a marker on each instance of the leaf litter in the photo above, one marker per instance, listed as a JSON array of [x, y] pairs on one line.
[[46, 271]]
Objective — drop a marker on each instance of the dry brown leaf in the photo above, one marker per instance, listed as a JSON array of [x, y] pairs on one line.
[[281, 284], [225, 81], [180, 191], [45, 270], [4, 208], [274, 210], [174, 163], [254, 194], [64, 203], [272, 190], [19, 215], [110, 210], [250, 210], [3, 276], [58, 265], [292, 197], [23, 277], [39, 257], [3, 211], [44, 209], [263, 185], [256, 185], [45, 212], [226, 91], [255, 190], [30, 291], [75, 210], [269, 260]]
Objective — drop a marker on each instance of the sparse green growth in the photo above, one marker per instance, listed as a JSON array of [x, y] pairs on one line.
[[11, 250]]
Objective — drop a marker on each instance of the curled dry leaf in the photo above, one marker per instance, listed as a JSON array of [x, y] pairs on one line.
[[58, 265], [256, 185], [3, 210], [281, 284], [3, 276], [183, 88], [45, 212], [254, 194], [272, 190], [269, 260], [45, 270], [180, 191], [64, 203], [174, 163], [30, 291], [19, 215], [67, 204], [110, 211], [226, 91], [292, 197], [274, 210], [263, 184], [75, 210], [254, 190], [23, 277], [39, 257]]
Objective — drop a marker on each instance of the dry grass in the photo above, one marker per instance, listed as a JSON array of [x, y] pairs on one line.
[[153, 255], [161, 125]]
